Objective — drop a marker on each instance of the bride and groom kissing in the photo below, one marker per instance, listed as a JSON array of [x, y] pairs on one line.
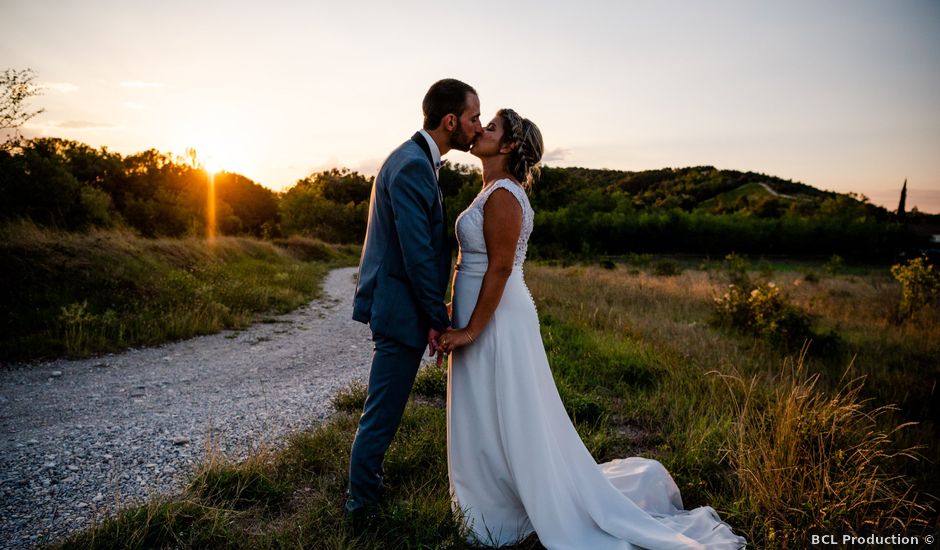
[[515, 461]]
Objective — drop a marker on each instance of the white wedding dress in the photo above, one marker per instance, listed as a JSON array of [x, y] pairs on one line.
[[516, 463]]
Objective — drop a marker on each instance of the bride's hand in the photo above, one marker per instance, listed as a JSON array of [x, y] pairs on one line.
[[453, 339]]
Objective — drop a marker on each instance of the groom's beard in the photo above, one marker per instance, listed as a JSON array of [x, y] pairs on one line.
[[458, 141]]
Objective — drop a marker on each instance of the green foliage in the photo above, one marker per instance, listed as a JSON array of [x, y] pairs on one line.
[[920, 286], [78, 294], [431, 381], [332, 206], [582, 407], [735, 270], [69, 185], [705, 211], [585, 361], [238, 488], [834, 265], [352, 398], [579, 211], [162, 523], [762, 311]]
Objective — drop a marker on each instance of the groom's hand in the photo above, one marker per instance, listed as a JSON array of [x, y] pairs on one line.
[[434, 346]]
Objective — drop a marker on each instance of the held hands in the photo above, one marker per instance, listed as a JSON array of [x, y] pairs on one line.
[[453, 339], [434, 345]]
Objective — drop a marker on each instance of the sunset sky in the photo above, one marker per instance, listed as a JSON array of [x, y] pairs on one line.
[[842, 95]]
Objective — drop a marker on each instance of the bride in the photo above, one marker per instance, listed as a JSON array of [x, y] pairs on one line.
[[515, 462]]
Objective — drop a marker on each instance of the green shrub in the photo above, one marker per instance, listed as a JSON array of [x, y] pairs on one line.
[[431, 381], [834, 265], [920, 286], [763, 312], [735, 270]]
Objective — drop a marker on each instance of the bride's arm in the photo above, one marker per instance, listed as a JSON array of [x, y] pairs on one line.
[[502, 223]]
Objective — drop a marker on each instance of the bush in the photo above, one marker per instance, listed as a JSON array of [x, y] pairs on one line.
[[920, 286], [763, 312], [834, 265], [431, 381], [735, 270]]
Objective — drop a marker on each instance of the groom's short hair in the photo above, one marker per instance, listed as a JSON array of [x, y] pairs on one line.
[[444, 97]]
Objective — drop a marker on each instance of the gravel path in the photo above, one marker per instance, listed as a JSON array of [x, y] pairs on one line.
[[82, 438]]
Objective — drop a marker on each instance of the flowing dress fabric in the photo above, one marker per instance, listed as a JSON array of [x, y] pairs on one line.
[[515, 461]]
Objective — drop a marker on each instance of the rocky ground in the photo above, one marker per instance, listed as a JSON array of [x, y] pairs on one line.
[[80, 439]]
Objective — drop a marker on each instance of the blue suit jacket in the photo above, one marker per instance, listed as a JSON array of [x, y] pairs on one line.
[[405, 264]]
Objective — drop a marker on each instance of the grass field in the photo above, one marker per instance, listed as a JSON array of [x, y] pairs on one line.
[[783, 441], [76, 294]]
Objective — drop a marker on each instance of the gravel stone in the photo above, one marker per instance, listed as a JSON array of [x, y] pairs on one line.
[[137, 423]]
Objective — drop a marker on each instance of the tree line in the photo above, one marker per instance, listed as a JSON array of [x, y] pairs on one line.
[[579, 211]]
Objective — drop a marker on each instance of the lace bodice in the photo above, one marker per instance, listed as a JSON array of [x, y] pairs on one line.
[[470, 224]]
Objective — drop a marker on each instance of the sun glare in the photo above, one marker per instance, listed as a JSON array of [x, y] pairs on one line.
[[210, 208], [210, 164]]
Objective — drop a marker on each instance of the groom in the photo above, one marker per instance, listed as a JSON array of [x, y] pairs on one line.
[[403, 275]]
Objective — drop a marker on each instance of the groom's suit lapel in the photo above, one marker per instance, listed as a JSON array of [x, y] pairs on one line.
[[423, 144]]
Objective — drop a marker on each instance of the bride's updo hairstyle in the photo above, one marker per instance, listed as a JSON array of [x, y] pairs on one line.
[[528, 146]]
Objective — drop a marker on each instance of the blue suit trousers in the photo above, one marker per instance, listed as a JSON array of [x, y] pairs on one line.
[[391, 377]]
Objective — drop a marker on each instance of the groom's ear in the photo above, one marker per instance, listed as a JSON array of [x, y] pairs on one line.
[[449, 122]]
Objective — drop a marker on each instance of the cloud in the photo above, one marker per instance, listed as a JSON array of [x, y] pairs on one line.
[[61, 87], [140, 84], [132, 105], [82, 124], [369, 167], [556, 154]]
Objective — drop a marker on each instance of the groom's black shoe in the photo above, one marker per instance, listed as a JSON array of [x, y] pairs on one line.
[[359, 515]]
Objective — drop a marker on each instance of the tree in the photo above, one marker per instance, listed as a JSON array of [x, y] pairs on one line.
[[903, 200], [16, 87]]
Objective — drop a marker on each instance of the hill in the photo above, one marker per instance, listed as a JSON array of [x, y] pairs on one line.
[[691, 188], [704, 210]]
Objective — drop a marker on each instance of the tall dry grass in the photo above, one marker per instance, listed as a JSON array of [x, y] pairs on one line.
[[781, 443], [816, 462]]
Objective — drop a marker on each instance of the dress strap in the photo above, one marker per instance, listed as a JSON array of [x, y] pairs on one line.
[[508, 185]]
